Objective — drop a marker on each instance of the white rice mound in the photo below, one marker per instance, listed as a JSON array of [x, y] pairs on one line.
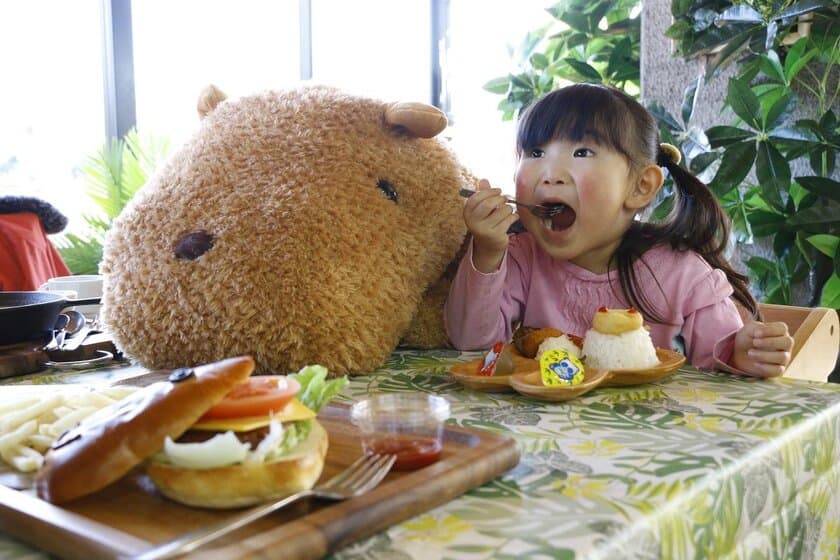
[[631, 350], [561, 342]]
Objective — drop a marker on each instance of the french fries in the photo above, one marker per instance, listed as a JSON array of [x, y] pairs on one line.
[[29, 427]]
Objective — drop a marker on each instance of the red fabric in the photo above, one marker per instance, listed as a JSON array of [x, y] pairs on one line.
[[27, 257]]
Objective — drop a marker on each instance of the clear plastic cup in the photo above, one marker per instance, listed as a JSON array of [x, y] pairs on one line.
[[409, 425]]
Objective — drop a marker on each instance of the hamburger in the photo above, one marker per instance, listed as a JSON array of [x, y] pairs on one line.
[[210, 436]]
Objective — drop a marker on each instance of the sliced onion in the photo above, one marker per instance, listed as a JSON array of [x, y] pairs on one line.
[[268, 444], [219, 451]]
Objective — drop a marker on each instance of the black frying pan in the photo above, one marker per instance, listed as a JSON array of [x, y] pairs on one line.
[[32, 315]]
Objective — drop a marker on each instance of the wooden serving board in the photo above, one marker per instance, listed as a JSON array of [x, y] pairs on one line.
[[130, 515]]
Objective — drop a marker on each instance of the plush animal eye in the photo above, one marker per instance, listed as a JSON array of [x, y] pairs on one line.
[[192, 245], [387, 189]]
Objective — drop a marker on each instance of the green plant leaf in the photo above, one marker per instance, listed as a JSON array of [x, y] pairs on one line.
[[831, 292], [701, 162], [722, 136], [822, 160], [662, 115], [744, 103], [805, 6], [822, 186], [765, 223], [792, 134], [771, 166], [828, 123], [780, 111], [576, 21], [735, 164], [689, 101], [539, 61], [761, 265], [828, 213], [738, 14], [731, 50], [585, 70], [825, 243], [796, 60], [497, 85], [772, 67], [782, 242], [716, 36]]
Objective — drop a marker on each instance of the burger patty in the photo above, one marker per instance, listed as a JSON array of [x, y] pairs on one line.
[[252, 437]]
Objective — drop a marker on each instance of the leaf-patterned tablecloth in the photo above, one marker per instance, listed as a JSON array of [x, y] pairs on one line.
[[698, 465]]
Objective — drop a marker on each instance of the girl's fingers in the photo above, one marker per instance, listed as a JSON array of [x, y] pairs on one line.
[[768, 330], [770, 370], [769, 357], [485, 206], [780, 343]]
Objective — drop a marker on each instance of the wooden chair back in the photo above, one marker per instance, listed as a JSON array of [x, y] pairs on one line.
[[816, 338]]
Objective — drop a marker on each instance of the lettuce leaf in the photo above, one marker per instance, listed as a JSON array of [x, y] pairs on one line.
[[293, 434], [315, 389]]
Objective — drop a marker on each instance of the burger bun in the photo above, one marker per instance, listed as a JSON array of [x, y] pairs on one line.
[[246, 483]]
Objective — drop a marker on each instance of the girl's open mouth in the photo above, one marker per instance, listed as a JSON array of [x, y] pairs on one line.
[[562, 217]]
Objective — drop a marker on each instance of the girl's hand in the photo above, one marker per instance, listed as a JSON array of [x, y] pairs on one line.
[[488, 217], [762, 349]]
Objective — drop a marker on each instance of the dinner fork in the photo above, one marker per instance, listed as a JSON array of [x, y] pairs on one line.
[[538, 210], [357, 479]]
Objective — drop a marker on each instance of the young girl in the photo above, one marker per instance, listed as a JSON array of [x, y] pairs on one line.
[[594, 152]]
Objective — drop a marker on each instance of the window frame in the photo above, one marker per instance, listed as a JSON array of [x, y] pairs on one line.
[[118, 60]]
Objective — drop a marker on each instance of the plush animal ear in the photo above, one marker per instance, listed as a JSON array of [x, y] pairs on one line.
[[208, 99], [419, 119]]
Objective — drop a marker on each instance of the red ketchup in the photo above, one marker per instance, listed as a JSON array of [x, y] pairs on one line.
[[412, 452]]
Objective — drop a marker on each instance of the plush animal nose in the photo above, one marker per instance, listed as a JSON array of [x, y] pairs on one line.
[[192, 245]]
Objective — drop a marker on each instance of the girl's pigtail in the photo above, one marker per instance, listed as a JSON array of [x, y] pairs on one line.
[[698, 222]]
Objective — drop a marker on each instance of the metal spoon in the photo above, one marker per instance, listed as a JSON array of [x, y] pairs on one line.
[[76, 330], [58, 329], [537, 210]]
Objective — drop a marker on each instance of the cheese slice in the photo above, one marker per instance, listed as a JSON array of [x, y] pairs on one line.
[[293, 411]]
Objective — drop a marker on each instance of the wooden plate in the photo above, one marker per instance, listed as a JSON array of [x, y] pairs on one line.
[[669, 362], [466, 373], [530, 384]]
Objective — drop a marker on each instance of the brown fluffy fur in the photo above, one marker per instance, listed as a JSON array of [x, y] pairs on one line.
[[311, 263]]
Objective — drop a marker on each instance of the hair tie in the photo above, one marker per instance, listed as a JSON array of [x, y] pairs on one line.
[[668, 153]]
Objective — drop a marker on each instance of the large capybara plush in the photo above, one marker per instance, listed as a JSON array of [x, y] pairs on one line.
[[301, 227]]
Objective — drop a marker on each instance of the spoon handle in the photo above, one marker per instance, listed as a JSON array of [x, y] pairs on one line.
[[466, 193], [76, 340]]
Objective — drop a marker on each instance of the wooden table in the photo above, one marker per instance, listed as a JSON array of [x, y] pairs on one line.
[[698, 465]]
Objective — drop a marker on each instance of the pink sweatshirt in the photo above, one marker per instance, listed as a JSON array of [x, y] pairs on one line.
[[533, 288]]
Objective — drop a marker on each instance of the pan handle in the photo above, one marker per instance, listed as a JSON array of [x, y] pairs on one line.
[[83, 301]]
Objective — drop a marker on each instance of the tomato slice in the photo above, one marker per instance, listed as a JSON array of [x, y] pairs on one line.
[[257, 396]]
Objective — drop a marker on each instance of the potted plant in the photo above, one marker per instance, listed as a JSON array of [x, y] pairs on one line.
[[111, 178]]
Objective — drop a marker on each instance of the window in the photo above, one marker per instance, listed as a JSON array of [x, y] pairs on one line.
[[51, 101], [241, 46], [52, 104], [478, 52], [376, 48]]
